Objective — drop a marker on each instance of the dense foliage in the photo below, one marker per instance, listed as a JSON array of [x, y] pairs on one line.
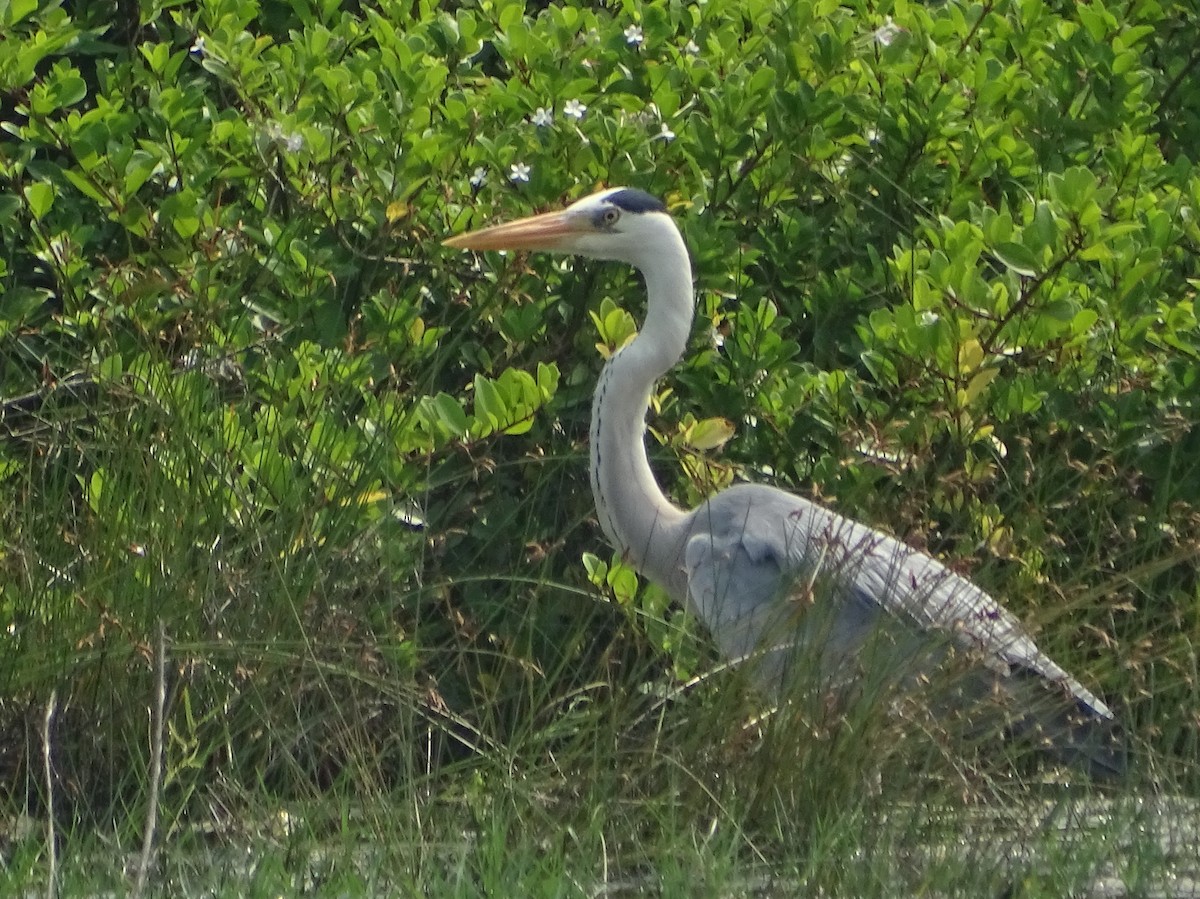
[[946, 269]]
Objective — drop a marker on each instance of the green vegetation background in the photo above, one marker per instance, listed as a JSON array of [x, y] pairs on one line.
[[946, 261]]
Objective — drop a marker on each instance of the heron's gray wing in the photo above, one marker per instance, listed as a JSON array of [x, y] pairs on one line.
[[944, 605], [807, 542], [766, 569], [760, 606]]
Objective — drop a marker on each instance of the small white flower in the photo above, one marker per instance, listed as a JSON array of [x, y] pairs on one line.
[[478, 177], [928, 318], [634, 36], [887, 33], [691, 49], [574, 109], [290, 140], [198, 46], [518, 171], [665, 133], [232, 243], [542, 118]]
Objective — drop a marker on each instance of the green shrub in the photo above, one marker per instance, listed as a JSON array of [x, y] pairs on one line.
[[946, 275]]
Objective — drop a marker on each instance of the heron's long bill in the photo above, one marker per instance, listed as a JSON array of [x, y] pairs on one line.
[[538, 232]]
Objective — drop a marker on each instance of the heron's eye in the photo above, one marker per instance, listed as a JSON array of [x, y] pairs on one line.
[[610, 216]]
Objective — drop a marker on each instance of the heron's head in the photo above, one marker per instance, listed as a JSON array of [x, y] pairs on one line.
[[621, 223]]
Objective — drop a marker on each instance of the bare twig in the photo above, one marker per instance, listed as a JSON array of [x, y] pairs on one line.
[[51, 837], [157, 727]]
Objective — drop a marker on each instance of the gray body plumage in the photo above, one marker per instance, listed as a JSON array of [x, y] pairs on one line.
[[754, 548], [786, 586], [802, 594]]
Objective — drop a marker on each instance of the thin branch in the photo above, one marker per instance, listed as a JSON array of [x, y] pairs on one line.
[[1180, 78], [51, 837], [157, 728]]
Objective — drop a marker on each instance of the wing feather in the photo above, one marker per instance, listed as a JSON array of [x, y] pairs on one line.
[[758, 558]]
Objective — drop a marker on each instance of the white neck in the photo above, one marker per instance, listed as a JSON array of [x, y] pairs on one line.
[[645, 527]]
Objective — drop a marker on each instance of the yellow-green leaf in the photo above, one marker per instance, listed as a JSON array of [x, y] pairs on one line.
[[40, 196], [1016, 257], [710, 434], [970, 356]]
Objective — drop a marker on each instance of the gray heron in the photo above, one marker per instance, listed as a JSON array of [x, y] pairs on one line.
[[774, 577]]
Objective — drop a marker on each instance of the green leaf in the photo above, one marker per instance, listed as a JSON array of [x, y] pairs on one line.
[[518, 427], [111, 367], [597, 569], [180, 210], [489, 405], [547, 379], [40, 197], [1097, 252], [623, 581], [19, 303], [450, 413], [1043, 230], [1074, 187], [710, 434], [138, 169], [69, 89], [185, 225], [761, 81], [13, 11], [510, 15], [95, 490], [84, 185], [156, 55], [1084, 320], [1016, 257]]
